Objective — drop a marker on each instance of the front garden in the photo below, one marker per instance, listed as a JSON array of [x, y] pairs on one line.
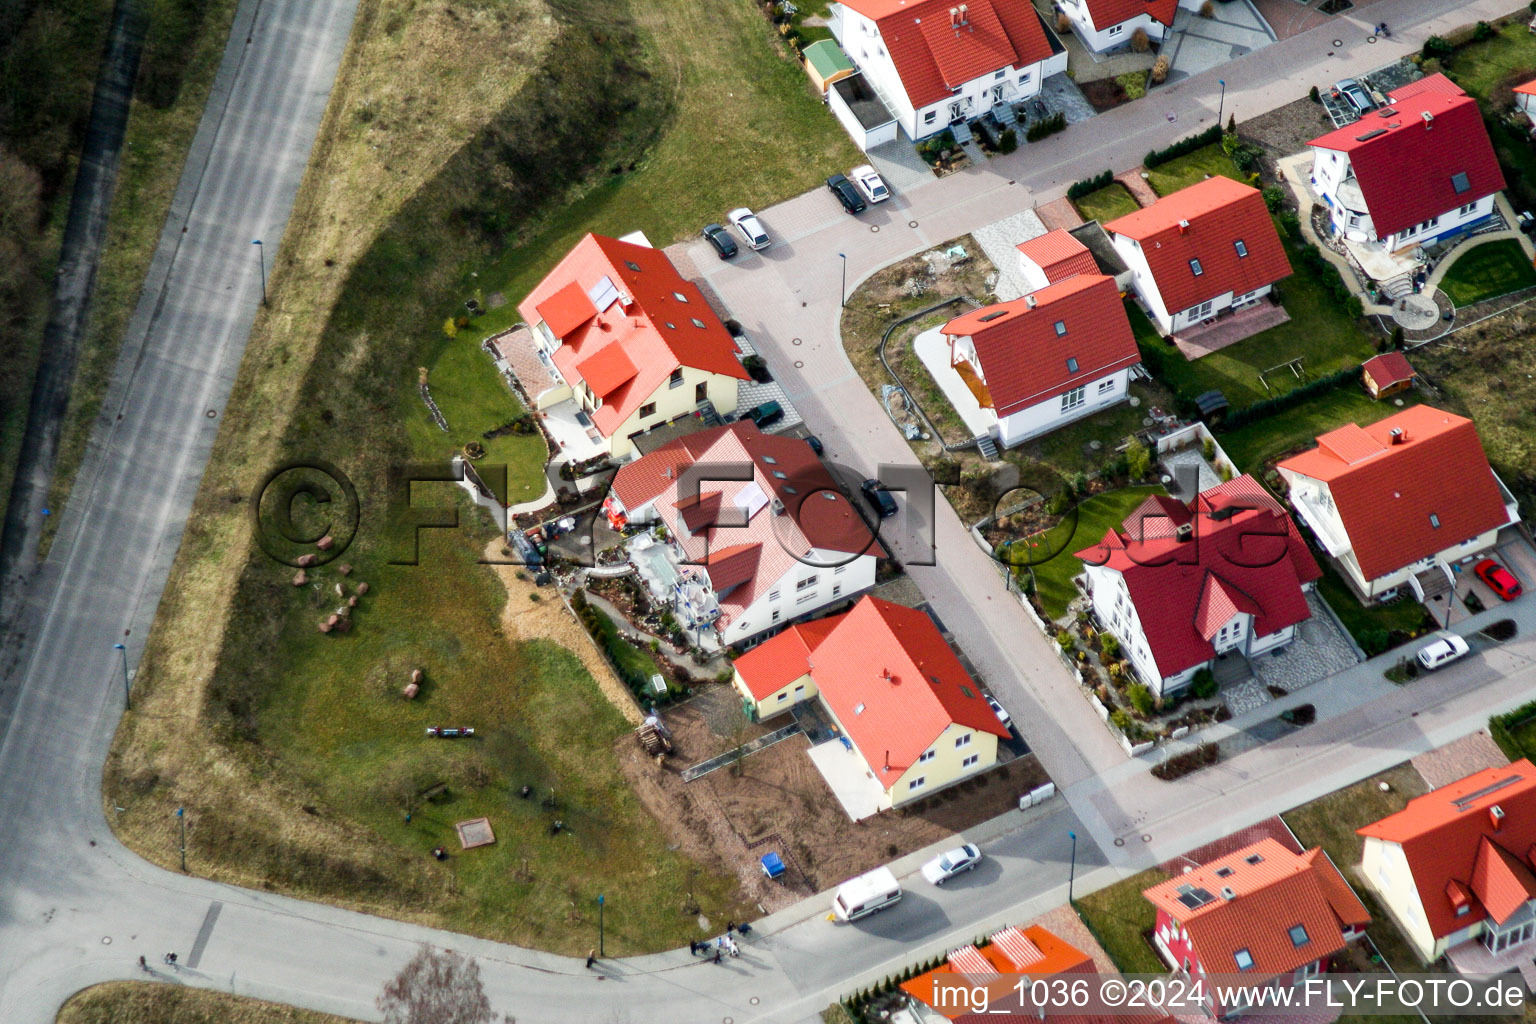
[[1121, 918], [1107, 203], [1488, 271]]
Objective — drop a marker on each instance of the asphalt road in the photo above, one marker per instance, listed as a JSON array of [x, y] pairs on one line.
[[76, 907]]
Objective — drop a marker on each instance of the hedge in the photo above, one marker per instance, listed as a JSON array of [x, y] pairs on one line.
[[1498, 728], [1093, 184], [1332, 279], [1186, 145], [1046, 126], [1296, 396]]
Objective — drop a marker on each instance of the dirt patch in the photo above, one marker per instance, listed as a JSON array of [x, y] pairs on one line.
[[537, 613], [777, 801], [1287, 130], [1104, 93]]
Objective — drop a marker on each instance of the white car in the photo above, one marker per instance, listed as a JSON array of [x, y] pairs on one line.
[[745, 221], [954, 862], [869, 183], [997, 709], [1443, 651]]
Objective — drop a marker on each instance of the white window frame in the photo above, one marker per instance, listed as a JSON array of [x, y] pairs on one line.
[[963, 741], [1073, 399], [917, 783], [970, 761]]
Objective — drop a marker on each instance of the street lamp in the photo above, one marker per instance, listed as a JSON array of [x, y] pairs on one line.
[[181, 818], [261, 261], [1072, 870], [600, 902], [127, 703], [842, 294], [1222, 104]]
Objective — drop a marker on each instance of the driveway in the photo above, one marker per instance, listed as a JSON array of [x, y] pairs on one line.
[[1199, 44]]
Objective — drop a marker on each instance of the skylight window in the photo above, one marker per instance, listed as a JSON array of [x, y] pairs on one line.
[[1061, 328], [770, 460], [1299, 935], [1434, 520], [1253, 858], [1071, 365], [1223, 872], [698, 323], [1244, 960], [632, 265], [1195, 266], [1460, 182], [1241, 247], [780, 474], [858, 709], [680, 297]]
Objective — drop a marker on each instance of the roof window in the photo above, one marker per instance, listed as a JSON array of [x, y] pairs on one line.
[[1071, 365], [1253, 858], [1061, 328], [1196, 267], [632, 265], [1460, 182], [1224, 872], [1241, 247], [1434, 520], [698, 323], [680, 297], [1299, 935], [1244, 959]]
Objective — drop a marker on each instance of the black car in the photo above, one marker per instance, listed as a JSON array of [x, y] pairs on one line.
[[846, 194], [814, 442], [766, 414], [879, 498], [721, 239]]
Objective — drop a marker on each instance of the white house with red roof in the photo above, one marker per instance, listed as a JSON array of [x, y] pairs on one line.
[[627, 343], [1054, 356], [1457, 867], [757, 533], [1264, 911], [1052, 258], [913, 719], [936, 62], [1108, 24], [1200, 252], [1415, 171], [1525, 98], [1183, 585], [1400, 501]]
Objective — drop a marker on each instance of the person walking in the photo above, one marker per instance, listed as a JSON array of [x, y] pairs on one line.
[[591, 958], [717, 954], [143, 965], [693, 948]]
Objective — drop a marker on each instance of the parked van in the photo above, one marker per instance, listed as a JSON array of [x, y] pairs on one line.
[[865, 895]]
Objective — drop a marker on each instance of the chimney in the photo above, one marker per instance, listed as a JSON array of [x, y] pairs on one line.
[[965, 17], [954, 17], [1183, 532], [1429, 119], [1029, 300], [1496, 816], [1228, 893], [1183, 227], [1397, 435]]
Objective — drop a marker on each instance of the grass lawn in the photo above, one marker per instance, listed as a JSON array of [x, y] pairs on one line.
[[1361, 620], [1318, 331], [1257, 443], [1182, 172], [1102, 512], [1118, 915], [1524, 736], [1330, 822], [1067, 450], [143, 1002], [599, 116], [1487, 271], [1105, 204], [1478, 67]]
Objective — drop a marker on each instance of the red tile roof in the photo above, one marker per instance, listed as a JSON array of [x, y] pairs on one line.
[[1025, 359], [889, 678], [1388, 368], [1219, 213], [1112, 12], [1250, 560], [1158, 515], [1270, 897], [816, 515], [769, 667], [1527, 88], [1405, 164], [628, 350], [1501, 881], [1059, 254], [1443, 835], [1386, 493], [934, 58]]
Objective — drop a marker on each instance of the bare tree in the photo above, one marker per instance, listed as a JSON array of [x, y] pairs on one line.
[[437, 987]]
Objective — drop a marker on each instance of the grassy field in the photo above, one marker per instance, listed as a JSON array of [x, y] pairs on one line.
[[1181, 172], [1318, 332], [141, 1002], [1118, 915], [1105, 204], [434, 181], [1478, 67], [1257, 443], [1096, 515], [181, 56], [1069, 450], [1487, 271]]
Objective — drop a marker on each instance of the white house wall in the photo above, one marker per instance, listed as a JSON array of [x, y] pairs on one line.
[[784, 602], [1385, 869], [1101, 39], [1331, 168], [1046, 416]]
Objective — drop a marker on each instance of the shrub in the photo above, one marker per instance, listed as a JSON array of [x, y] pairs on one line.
[[1078, 189], [1065, 642], [1208, 449], [1290, 222], [1374, 641], [1134, 83], [1208, 9], [1232, 124], [1063, 23], [1008, 141], [1141, 699], [1046, 126], [1316, 98], [1138, 459], [1274, 197], [1141, 44], [1160, 69], [1304, 714], [1437, 48], [1185, 145], [1398, 338], [1483, 32], [1203, 686], [1109, 645]]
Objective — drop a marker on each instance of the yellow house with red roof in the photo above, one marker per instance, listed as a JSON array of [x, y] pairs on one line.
[[626, 339], [911, 719]]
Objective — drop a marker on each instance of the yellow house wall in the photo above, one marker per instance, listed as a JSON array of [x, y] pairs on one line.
[[674, 402], [1385, 869], [772, 704], [944, 767]]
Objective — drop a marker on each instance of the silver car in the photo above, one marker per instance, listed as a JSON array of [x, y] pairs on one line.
[[745, 221], [951, 863], [870, 183], [1443, 651]]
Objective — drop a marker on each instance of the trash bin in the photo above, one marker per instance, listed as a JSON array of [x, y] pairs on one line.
[[773, 865]]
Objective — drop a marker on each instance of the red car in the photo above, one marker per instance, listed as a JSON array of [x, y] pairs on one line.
[[1498, 578]]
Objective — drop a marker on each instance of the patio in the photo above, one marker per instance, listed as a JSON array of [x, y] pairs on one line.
[[1203, 339], [683, 588], [1472, 957], [849, 778], [932, 348]]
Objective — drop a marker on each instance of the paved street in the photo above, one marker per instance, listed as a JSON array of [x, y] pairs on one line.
[[76, 908]]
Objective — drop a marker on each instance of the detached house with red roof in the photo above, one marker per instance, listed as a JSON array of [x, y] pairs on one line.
[[1400, 501], [935, 62], [1056, 355], [757, 533], [626, 344], [1456, 869], [911, 719], [1108, 24], [1262, 910], [1200, 252], [1181, 586], [1413, 172]]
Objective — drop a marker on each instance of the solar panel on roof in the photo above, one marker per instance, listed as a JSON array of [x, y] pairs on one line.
[[1462, 803], [1370, 134], [603, 294]]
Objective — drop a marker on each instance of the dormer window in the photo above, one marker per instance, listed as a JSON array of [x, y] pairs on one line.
[[1195, 266]]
